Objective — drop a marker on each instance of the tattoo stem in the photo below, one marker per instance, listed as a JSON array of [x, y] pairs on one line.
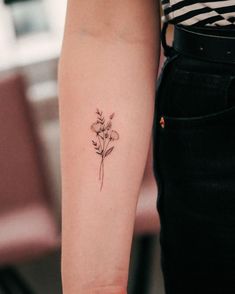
[[102, 161], [99, 145], [102, 172]]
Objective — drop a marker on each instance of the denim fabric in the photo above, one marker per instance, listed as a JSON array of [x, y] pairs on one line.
[[194, 167]]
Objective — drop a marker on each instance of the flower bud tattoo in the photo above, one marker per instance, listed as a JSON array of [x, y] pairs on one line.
[[104, 136]]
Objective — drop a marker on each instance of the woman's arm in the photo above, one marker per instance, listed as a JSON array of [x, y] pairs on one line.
[[107, 76]]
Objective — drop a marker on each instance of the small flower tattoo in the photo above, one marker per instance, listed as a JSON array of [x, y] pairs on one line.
[[104, 136]]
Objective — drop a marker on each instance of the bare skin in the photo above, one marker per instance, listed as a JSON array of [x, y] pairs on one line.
[[109, 61]]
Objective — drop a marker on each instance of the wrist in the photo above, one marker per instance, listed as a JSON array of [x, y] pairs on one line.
[[105, 290]]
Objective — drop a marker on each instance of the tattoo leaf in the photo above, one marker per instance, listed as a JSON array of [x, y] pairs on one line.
[[108, 151], [99, 148], [111, 116]]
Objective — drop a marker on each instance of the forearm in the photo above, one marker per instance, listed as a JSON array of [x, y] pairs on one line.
[[109, 61]]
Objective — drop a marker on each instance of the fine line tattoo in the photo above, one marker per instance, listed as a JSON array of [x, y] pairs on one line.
[[104, 135]]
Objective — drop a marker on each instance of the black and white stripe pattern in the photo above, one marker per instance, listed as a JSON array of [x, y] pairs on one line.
[[199, 12]]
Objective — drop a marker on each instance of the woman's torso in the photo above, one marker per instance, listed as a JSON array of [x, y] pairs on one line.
[[199, 12]]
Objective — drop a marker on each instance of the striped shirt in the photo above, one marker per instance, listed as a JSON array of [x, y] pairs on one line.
[[199, 12]]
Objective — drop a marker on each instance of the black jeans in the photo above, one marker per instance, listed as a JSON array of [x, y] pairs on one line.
[[194, 166]]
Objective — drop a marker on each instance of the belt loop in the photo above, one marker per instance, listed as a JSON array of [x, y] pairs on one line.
[[168, 50]]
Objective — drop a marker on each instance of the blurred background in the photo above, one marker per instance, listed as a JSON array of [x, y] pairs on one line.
[[30, 194]]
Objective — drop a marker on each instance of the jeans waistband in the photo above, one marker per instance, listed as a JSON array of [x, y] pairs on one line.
[[208, 43], [223, 31]]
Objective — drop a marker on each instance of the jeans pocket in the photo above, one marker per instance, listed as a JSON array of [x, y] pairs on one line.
[[197, 148], [194, 130], [196, 157], [189, 93], [193, 116], [200, 146]]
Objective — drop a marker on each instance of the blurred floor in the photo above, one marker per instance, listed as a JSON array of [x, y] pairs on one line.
[[43, 275], [151, 273], [156, 285]]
